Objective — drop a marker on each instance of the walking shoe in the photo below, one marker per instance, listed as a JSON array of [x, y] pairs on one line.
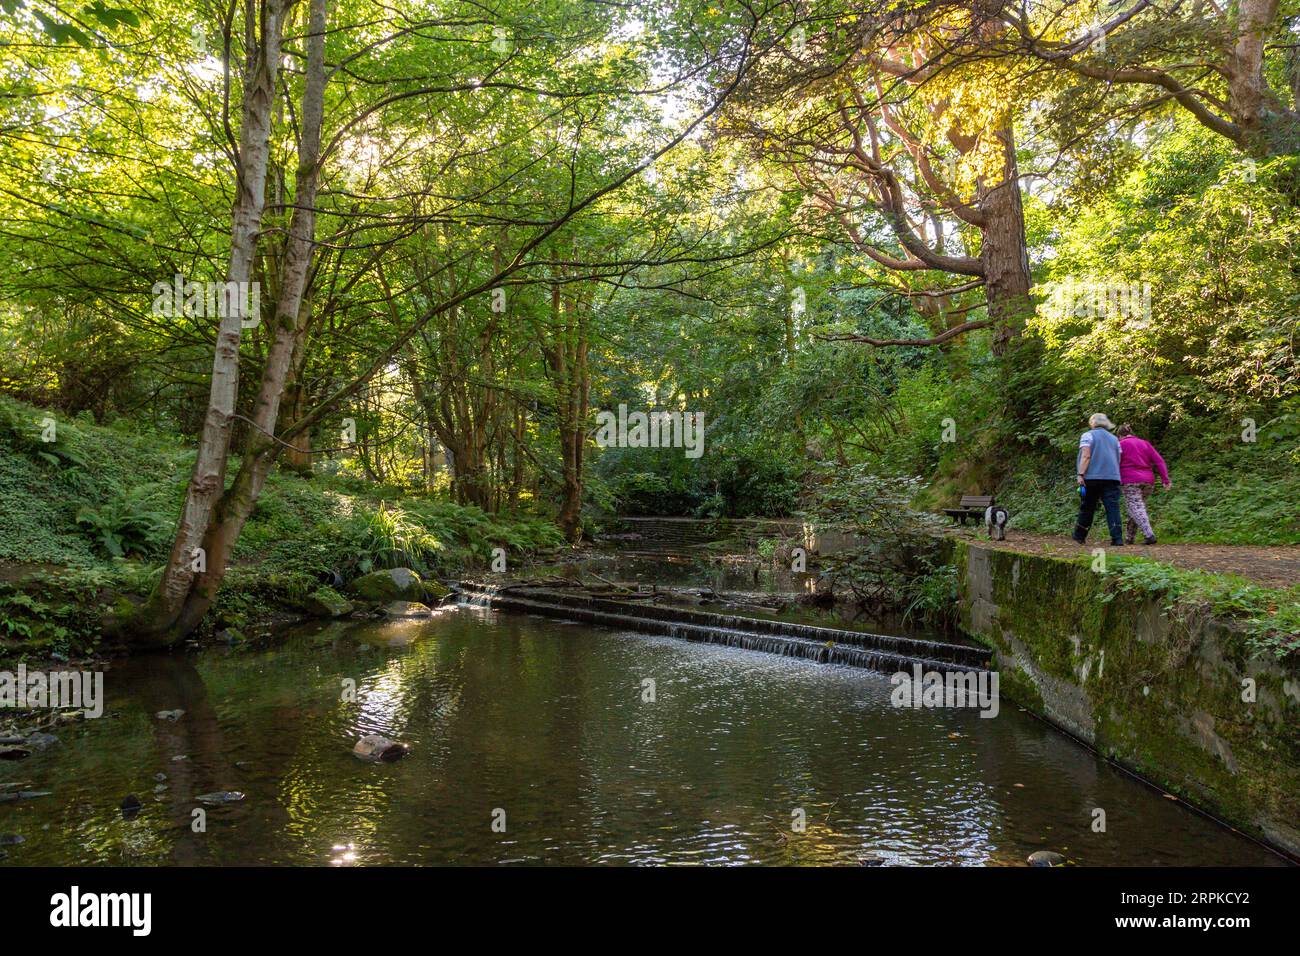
[[1117, 544], [1150, 540]]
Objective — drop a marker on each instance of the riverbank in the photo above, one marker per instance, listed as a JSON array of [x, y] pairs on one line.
[[86, 520], [1165, 688]]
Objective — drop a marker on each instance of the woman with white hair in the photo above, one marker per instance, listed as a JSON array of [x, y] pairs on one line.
[[1098, 473]]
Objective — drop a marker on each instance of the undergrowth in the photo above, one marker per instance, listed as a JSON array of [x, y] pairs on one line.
[[1270, 617]]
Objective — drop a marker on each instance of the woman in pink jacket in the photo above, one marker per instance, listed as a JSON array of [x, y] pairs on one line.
[[1139, 463]]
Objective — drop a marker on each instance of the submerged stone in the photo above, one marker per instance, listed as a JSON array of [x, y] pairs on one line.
[[131, 806], [220, 796], [376, 747], [23, 795], [1046, 858]]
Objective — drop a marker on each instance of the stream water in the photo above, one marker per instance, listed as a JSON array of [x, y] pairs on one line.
[[543, 726]]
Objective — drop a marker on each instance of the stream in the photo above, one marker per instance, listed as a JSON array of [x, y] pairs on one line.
[[534, 741]]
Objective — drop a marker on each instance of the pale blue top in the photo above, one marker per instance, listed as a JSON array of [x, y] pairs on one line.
[[1104, 463]]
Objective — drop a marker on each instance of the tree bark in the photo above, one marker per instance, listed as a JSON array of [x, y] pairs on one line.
[[155, 623], [231, 510], [1248, 90], [1004, 256]]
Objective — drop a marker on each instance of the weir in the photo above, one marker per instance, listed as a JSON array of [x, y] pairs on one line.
[[878, 652]]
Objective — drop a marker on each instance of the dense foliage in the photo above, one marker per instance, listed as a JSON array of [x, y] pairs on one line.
[[913, 242]]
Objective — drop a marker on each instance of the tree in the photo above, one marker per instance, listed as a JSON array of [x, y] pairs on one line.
[[1233, 65], [911, 150]]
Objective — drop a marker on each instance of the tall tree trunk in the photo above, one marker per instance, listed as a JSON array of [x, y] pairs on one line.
[[1003, 253], [233, 507], [1248, 90], [155, 622], [566, 361]]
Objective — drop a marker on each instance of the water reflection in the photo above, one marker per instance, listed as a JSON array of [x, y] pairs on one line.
[[546, 722]]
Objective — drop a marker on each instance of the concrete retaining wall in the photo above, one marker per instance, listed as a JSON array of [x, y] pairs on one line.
[[1161, 694]]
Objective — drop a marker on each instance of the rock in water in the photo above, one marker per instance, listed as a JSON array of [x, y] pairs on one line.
[[1046, 858], [170, 714], [14, 753], [130, 806], [406, 609], [376, 747], [11, 839], [220, 796]]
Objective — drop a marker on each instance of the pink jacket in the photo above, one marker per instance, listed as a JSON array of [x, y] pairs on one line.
[[1137, 458]]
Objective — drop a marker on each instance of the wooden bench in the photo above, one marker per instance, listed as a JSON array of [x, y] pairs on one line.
[[972, 506]]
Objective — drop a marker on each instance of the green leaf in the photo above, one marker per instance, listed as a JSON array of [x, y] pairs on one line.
[[61, 32], [111, 17]]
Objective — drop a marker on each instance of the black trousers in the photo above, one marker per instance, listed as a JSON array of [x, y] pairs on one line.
[[1107, 492]]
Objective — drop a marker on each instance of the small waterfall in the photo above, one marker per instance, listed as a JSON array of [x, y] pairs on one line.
[[879, 652]]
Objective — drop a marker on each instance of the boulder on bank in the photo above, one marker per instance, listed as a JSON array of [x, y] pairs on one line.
[[390, 584], [406, 609], [326, 602]]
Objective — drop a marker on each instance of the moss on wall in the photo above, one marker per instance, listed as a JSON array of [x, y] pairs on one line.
[[1166, 694]]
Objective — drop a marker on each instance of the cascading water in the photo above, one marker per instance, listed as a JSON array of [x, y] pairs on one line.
[[878, 652]]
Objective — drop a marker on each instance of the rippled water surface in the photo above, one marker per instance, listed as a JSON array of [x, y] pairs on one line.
[[546, 721]]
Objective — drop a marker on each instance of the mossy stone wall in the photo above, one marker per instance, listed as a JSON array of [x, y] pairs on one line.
[[1166, 695]]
